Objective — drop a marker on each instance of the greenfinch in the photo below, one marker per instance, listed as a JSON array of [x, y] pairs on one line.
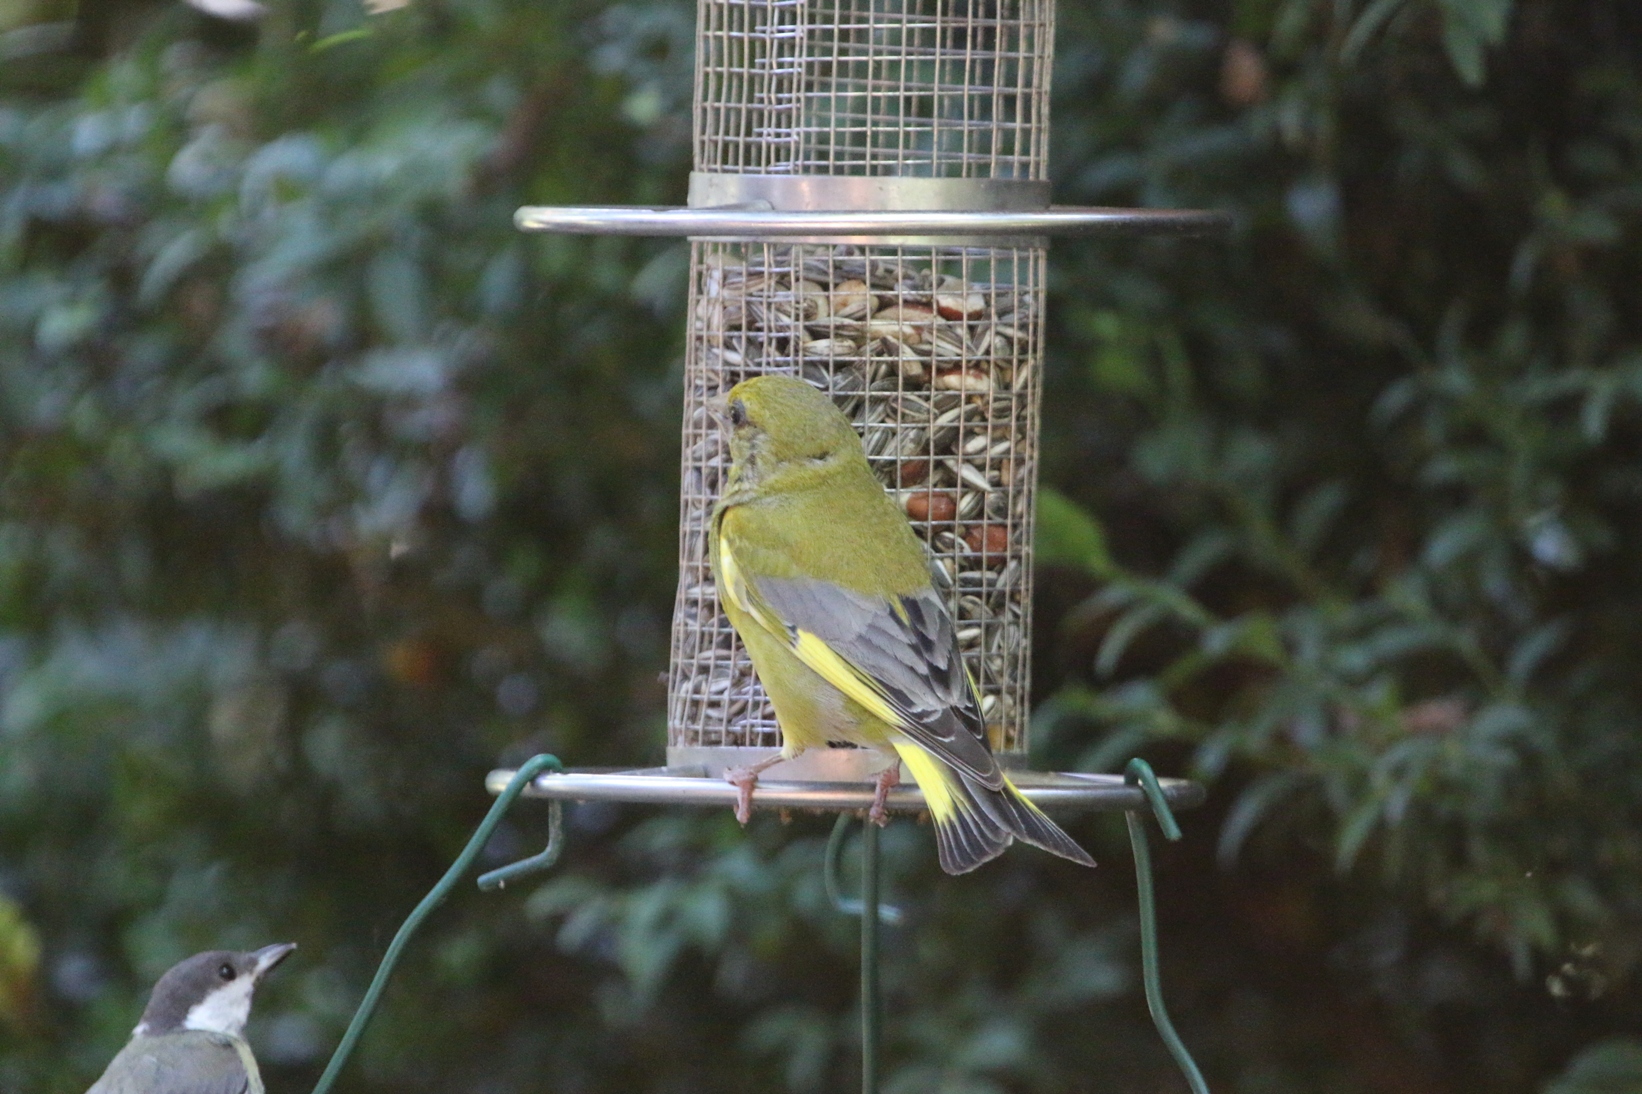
[[833, 596]]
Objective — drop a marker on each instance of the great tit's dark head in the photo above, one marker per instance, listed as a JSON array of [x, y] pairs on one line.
[[209, 991], [780, 420]]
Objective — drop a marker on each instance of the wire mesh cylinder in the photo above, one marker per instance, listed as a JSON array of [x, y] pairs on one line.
[[926, 88], [933, 352], [932, 349]]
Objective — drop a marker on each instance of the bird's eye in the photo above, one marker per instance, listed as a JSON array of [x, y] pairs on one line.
[[738, 413], [227, 972]]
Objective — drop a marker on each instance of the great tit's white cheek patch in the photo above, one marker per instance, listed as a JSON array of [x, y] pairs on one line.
[[224, 1010]]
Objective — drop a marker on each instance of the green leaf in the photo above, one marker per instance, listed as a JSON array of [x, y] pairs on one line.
[[1129, 626], [1250, 808], [1068, 535], [176, 258], [1314, 514], [1256, 635], [1464, 49], [1202, 554], [399, 298], [1375, 16], [331, 41], [1469, 27], [1119, 362], [1355, 830], [1534, 647]]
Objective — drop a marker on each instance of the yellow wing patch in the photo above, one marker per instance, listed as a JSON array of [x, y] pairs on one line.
[[731, 572], [842, 675], [735, 591], [930, 775]]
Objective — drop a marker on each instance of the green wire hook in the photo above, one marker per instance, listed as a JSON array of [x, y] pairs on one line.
[[496, 879], [1139, 773]]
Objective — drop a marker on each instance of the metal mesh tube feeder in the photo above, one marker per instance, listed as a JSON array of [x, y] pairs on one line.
[[868, 210]]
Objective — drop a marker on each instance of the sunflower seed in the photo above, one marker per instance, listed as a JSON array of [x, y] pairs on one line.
[[830, 347]]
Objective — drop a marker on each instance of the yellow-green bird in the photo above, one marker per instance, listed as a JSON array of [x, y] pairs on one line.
[[832, 594]]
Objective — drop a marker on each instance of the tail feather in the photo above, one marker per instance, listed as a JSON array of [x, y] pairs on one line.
[[968, 839], [975, 823], [1031, 825]]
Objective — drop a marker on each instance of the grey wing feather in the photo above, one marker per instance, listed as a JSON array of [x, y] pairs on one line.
[[180, 1063], [914, 661]]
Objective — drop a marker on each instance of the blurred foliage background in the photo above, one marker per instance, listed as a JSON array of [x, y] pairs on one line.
[[324, 491]]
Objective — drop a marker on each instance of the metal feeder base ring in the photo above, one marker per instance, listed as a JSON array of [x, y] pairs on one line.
[[694, 785]]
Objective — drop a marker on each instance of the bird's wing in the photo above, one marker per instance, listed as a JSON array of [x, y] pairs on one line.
[[897, 657], [182, 1063]]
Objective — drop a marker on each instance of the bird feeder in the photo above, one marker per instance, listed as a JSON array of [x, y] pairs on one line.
[[869, 210]]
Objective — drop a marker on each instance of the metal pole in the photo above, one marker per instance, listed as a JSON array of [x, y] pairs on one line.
[[870, 1003]]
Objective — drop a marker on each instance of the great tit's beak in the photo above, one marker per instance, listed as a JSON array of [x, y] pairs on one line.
[[269, 956]]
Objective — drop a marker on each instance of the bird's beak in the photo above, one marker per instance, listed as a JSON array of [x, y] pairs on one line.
[[719, 407], [269, 956]]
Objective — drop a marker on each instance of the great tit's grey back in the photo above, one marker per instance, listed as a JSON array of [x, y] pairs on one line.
[[189, 1062]]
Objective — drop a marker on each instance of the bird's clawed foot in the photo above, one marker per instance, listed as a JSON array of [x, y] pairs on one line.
[[744, 779], [888, 779]]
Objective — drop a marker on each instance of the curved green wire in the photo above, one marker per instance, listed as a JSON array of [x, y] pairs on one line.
[[1140, 772], [832, 867], [436, 896], [872, 1009]]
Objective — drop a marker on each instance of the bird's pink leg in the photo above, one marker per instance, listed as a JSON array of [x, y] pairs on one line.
[[744, 779], [888, 779]]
